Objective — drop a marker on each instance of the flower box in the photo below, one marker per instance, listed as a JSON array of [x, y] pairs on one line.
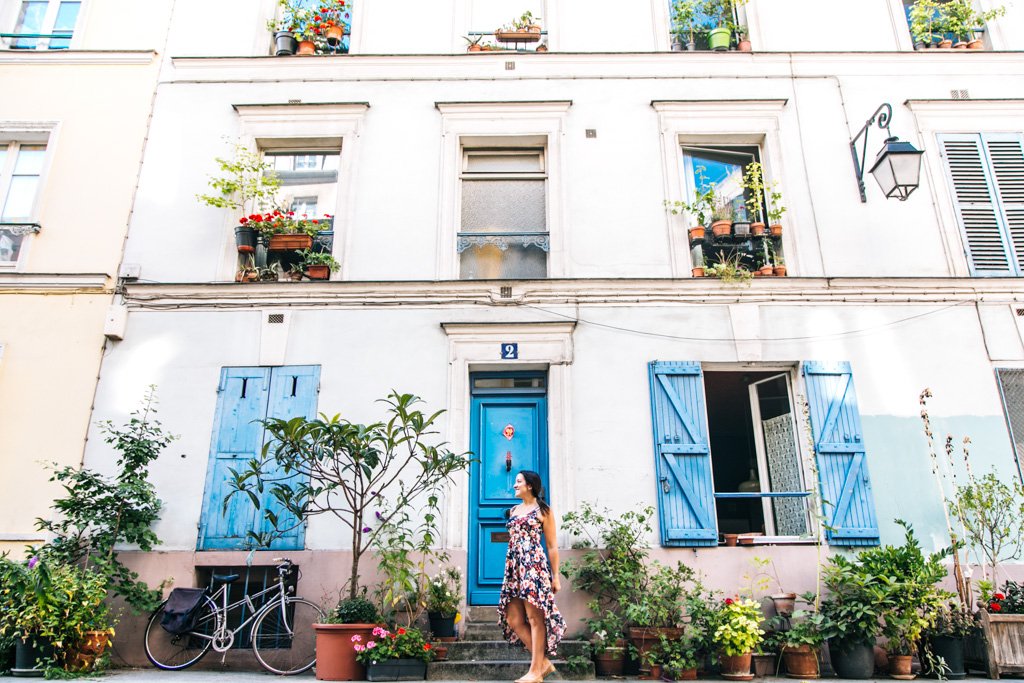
[[289, 242], [1003, 643], [516, 36], [397, 670]]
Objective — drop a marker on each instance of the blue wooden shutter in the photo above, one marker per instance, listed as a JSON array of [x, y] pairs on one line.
[[849, 506], [293, 393], [686, 499], [986, 174], [237, 436]]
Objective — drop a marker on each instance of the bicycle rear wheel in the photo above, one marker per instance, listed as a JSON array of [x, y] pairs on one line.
[[174, 652], [283, 639]]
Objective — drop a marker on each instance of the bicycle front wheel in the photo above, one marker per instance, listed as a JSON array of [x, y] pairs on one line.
[[283, 639], [173, 652]]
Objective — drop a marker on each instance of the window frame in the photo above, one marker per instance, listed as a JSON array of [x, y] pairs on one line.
[[466, 174], [33, 134], [9, 20], [500, 124]]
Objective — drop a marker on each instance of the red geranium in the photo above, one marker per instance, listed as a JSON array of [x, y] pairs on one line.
[[999, 596], [401, 631], [995, 607], [426, 646]]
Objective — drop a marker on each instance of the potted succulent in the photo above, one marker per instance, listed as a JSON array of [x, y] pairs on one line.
[[318, 264], [444, 593], [398, 656], [944, 641], [738, 635]]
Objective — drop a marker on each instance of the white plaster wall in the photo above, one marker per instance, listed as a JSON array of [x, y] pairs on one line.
[[364, 353]]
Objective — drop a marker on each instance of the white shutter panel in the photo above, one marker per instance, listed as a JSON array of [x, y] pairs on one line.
[[1007, 155], [976, 206]]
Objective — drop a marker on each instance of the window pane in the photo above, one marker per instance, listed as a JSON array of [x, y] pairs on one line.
[[309, 180], [503, 163], [508, 382], [489, 261], [20, 197], [10, 246], [67, 14], [503, 205], [3, 158], [30, 160], [30, 20]]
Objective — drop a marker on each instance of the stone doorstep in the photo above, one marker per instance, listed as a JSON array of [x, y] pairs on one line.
[[494, 650], [500, 670], [482, 614]]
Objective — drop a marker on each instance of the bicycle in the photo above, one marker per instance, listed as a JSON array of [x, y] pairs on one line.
[[282, 629]]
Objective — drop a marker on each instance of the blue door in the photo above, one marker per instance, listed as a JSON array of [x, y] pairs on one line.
[[244, 397], [508, 433]]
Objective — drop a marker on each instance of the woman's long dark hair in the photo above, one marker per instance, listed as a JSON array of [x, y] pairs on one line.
[[537, 488]]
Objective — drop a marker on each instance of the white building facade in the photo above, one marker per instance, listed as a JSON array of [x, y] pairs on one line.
[[505, 253]]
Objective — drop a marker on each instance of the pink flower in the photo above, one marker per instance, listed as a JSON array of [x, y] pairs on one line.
[[358, 648], [378, 631], [370, 645], [357, 638]]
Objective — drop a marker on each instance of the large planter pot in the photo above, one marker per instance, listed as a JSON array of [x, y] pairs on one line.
[[951, 650], [801, 662], [764, 665], [442, 625], [719, 38], [28, 654], [721, 228], [289, 242], [900, 667], [396, 670], [1003, 636], [855, 660], [736, 667], [285, 44], [646, 637], [245, 239], [611, 662], [335, 657]]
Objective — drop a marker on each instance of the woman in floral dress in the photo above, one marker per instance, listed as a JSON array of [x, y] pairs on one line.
[[527, 611]]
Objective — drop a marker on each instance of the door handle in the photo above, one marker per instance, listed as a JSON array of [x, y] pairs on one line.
[[508, 461], [665, 486]]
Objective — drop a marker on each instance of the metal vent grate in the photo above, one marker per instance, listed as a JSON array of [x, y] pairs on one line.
[[1011, 385], [959, 94], [252, 581], [1020, 312], [275, 318], [506, 292], [510, 66]]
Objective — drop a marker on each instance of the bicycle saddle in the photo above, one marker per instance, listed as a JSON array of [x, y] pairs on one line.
[[225, 578]]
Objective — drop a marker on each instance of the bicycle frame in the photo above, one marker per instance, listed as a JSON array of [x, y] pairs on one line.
[[223, 609]]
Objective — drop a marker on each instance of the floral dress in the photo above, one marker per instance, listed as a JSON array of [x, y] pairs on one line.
[[528, 576]]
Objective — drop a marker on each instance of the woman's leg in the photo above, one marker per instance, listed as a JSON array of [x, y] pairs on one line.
[[515, 615], [538, 642]]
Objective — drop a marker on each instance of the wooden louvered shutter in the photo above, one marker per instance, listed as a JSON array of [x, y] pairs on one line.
[[986, 174]]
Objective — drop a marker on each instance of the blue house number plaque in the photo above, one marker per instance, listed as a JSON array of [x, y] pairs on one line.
[[509, 351]]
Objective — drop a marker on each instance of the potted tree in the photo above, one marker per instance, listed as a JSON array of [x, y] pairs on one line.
[[753, 183], [398, 656], [358, 473], [684, 23], [245, 182], [738, 635]]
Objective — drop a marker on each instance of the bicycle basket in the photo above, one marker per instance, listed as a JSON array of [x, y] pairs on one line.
[[181, 609]]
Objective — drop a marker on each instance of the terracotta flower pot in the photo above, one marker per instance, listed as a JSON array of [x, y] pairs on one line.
[[780, 271], [899, 667], [610, 662], [697, 233], [801, 662], [721, 228], [976, 44], [764, 665], [697, 272], [94, 642], [655, 673], [687, 675], [766, 271], [334, 34], [289, 242], [475, 47], [744, 46], [306, 47], [335, 657], [784, 603], [730, 539], [945, 44], [776, 230], [757, 229], [646, 637], [736, 667], [318, 272], [960, 45]]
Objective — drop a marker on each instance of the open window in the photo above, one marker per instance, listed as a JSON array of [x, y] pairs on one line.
[[503, 231], [21, 168]]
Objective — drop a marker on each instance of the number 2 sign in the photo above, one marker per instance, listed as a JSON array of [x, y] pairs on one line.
[[509, 351]]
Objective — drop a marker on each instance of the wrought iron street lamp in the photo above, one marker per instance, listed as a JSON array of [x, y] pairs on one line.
[[897, 168]]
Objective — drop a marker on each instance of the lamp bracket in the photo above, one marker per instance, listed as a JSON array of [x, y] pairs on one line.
[[882, 116]]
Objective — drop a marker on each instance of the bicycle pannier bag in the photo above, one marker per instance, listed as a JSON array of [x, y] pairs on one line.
[[181, 609]]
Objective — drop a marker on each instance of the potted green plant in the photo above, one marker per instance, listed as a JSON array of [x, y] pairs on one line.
[[802, 641], [525, 29], [607, 644], [398, 656], [350, 621], [698, 263], [926, 23], [245, 182], [684, 23], [332, 20], [729, 269], [857, 599], [285, 29], [765, 658], [318, 264], [738, 635], [444, 594], [678, 658], [722, 214], [722, 14], [753, 183], [944, 640], [775, 209]]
